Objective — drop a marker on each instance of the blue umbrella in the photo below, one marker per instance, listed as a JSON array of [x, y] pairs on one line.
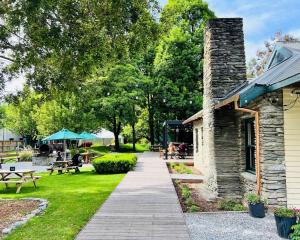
[[87, 136], [63, 134]]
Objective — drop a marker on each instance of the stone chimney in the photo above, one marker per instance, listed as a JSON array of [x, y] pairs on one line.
[[224, 57], [224, 70]]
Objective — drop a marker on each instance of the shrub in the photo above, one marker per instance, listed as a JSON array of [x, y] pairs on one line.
[[26, 155], [181, 168], [296, 234], [115, 163], [231, 205], [285, 212], [194, 208], [253, 198]]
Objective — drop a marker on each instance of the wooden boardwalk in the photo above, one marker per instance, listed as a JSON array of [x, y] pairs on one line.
[[144, 206]]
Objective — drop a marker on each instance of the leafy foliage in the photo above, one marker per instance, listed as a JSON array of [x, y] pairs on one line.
[[296, 232], [231, 205], [115, 163], [253, 198], [285, 212], [58, 43]]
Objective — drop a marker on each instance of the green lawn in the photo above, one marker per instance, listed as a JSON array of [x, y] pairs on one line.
[[138, 147], [73, 199]]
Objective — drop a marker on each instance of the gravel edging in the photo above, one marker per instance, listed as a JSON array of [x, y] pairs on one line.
[[230, 226], [42, 206]]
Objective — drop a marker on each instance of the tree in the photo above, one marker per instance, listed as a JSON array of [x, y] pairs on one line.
[[116, 96], [59, 43], [256, 66], [178, 60], [19, 115]]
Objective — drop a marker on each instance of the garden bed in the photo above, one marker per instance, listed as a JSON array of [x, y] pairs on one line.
[[14, 210], [181, 168], [191, 200]]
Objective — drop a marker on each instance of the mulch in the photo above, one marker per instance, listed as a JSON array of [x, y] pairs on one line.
[[14, 210]]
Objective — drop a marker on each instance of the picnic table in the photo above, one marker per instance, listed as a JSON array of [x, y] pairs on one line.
[[62, 166], [18, 177]]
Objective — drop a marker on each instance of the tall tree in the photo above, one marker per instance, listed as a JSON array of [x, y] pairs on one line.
[[58, 43], [116, 97], [178, 60]]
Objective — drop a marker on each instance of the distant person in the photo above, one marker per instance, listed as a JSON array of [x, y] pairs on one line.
[[182, 150], [172, 150], [59, 157]]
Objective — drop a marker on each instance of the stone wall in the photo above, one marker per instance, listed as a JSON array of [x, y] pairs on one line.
[[272, 149], [224, 70], [227, 153]]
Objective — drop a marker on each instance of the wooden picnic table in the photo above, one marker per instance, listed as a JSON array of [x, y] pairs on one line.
[[18, 177], [62, 166]]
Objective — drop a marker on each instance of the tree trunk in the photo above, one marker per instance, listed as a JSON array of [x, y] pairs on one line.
[[133, 137], [151, 121], [117, 143], [116, 130]]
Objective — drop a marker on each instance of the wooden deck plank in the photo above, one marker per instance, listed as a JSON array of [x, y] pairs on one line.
[[143, 206]]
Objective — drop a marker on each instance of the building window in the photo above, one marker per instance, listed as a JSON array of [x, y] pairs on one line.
[[197, 139], [250, 144]]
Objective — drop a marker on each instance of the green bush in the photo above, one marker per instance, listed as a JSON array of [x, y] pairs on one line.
[[253, 198], [285, 212], [296, 234], [115, 163], [26, 155], [231, 205]]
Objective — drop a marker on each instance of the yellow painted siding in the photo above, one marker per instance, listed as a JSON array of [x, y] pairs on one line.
[[292, 148]]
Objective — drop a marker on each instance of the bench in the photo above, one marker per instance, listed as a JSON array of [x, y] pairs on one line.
[[19, 182], [60, 170]]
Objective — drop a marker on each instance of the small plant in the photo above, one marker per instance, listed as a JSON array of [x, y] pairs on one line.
[[296, 232], [26, 155], [181, 168], [194, 208], [185, 191], [231, 205], [286, 212], [253, 198]]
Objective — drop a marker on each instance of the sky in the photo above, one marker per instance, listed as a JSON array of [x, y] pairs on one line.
[[262, 18]]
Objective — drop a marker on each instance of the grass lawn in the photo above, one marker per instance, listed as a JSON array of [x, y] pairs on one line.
[[73, 199], [138, 147]]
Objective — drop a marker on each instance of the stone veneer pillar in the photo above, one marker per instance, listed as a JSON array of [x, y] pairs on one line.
[[224, 70]]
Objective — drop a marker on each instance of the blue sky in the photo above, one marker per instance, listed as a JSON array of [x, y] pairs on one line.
[[262, 18]]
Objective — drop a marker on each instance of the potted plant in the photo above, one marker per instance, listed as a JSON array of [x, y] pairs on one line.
[[285, 218], [256, 205]]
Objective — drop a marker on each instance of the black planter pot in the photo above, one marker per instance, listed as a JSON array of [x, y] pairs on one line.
[[257, 210], [284, 225]]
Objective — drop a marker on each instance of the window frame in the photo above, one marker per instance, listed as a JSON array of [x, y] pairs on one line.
[[250, 145]]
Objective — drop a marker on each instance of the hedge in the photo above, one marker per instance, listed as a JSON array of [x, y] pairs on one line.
[[115, 163]]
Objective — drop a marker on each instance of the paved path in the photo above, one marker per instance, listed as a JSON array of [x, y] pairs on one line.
[[144, 206]]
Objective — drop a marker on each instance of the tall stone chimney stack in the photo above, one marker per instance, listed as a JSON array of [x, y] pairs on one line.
[[224, 70], [224, 56]]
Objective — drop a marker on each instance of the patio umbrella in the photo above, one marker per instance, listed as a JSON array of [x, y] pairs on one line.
[[87, 136], [64, 135]]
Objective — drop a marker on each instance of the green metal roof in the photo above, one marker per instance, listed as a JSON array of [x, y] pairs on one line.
[[279, 74]]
